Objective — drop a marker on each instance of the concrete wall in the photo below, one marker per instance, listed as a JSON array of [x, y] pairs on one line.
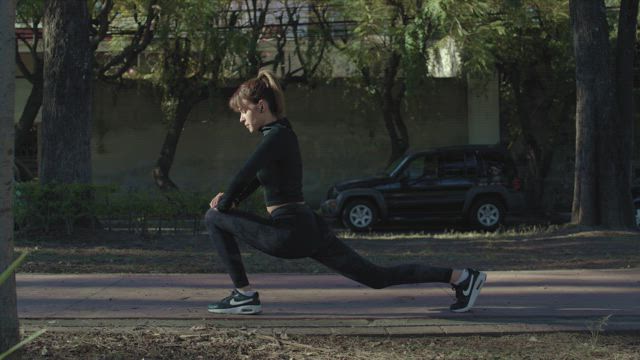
[[484, 108], [341, 135]]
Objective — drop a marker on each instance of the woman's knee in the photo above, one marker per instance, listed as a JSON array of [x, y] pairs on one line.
[[210, 218]]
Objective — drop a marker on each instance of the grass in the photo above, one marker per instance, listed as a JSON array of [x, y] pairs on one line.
[[448, 234], [524, 248]]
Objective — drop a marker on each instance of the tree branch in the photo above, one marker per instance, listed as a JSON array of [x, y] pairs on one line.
[[23, 68], [141, 39], [103, 24]]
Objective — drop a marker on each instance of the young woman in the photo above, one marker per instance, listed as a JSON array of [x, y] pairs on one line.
[[293, 229]]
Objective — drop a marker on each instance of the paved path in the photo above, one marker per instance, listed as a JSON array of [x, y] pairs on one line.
[[511, 302]]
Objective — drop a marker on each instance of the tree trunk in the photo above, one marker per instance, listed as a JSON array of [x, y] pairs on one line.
[[392, 95], [616, 153], [603, 137], [9, 334], [30, 111], [177, 118], [66, 108], [593, 99]]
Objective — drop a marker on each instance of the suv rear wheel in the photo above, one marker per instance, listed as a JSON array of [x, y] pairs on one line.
[[487, 214], [359, 215]]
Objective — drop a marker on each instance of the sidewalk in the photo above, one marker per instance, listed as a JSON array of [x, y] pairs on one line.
[[511, 302]]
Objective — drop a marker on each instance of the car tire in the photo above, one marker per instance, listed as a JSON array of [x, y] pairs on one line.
[[360, 215], [487, 214]]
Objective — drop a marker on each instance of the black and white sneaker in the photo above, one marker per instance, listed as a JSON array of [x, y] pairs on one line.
[[468, 290], [237, 303]]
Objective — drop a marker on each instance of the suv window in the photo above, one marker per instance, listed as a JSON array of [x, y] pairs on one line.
[[494, 163], [472, 164], [425, 166], [452, 164]]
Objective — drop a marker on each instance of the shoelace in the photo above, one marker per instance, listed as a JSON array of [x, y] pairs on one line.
[[228, 298]]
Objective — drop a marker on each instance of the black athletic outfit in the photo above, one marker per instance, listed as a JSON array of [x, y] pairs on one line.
[[295, 230]]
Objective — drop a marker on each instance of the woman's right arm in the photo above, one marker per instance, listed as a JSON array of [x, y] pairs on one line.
[[269, 149]]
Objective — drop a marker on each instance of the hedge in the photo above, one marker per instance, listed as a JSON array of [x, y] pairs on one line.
[[45, 208]]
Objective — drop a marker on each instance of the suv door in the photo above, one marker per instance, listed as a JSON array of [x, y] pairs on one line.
[[417, 182], [456, 175]]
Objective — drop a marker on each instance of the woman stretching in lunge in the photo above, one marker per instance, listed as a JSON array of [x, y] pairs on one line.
[[293, 229]]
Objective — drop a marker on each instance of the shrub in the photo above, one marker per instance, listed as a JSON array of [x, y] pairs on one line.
[[43, 208]]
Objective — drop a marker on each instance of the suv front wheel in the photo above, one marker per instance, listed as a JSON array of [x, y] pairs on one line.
[[359, 215], [487, 214]]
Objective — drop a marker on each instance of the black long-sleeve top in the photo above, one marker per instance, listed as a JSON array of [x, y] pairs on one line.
[[276, 164]]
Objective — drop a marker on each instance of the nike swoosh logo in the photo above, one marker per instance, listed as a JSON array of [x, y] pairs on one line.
[[467, 291], [234, 302]]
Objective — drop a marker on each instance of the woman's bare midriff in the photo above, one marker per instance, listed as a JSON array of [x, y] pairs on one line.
[[273, 207]]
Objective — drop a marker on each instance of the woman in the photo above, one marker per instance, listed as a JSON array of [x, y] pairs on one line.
[[293, 229]]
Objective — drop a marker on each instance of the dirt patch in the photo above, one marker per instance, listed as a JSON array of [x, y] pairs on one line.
[[561, 248], [207, 343]]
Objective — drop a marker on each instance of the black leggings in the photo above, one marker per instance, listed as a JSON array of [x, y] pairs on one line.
[[295, 231]]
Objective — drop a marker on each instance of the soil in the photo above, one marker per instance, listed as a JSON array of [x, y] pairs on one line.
[[209, 343]]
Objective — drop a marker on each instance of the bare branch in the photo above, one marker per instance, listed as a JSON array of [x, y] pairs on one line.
[[246, 2], [36, 36], [23, 68], [103, 24]]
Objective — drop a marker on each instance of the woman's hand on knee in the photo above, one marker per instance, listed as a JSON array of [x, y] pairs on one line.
[[214, 202]]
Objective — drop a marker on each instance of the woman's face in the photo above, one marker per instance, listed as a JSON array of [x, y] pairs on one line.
[[250, 115]]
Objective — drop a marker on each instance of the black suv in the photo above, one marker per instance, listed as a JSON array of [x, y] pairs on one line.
[[475, 183]]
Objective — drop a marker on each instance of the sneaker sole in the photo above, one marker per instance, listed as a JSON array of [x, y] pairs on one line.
[[482, 278], [240, 310]]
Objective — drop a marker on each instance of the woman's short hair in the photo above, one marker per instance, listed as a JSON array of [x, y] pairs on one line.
[[262, 87]]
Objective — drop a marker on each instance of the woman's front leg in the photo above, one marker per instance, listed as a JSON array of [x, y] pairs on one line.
[[227, 248]]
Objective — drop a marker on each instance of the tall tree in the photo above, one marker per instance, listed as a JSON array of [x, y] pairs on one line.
[[529, 43], [377, 51], [207, 44], [66, 108], [390, 46], [29, 14], [9, 334], [604, 114], [194, 41], [109, 67]]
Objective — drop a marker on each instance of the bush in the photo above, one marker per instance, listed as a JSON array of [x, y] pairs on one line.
[[43, 208]]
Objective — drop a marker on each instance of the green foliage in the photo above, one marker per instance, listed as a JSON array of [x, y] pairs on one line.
[[517, 32], [29, 10], [43, 206], [52, 207], [190, 37], [411, 30], [530, 43]]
